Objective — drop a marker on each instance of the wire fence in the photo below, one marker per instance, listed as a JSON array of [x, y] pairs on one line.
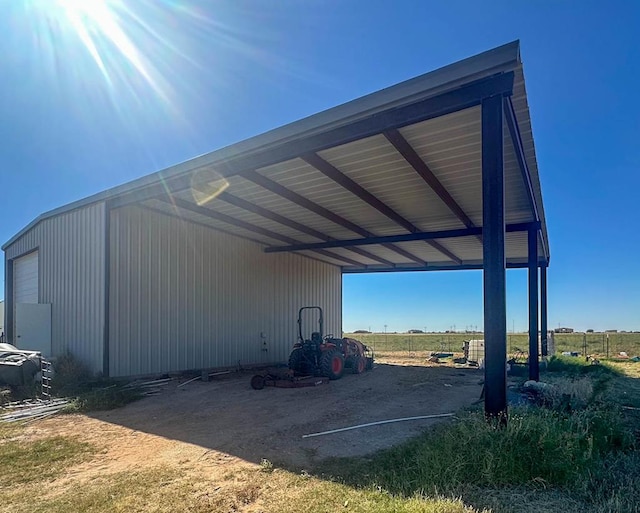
[[603, 345]]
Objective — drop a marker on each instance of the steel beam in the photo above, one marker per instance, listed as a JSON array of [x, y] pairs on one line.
[[493, 246], [355, 188], [534, 364], [303, 202], [207, 212], [420, 166], [461, 98], [436, 267], [516, 139], [9, 304], [543, 310], [176, 215], [256, 209], [458, 99], [405, 237], [107, 290]]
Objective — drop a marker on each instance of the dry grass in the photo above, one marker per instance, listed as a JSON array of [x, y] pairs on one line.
[[166, 490], [24, 462], [43, 475], [452, 342]]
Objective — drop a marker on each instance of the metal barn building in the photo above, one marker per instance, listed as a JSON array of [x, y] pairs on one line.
[[205, 264]]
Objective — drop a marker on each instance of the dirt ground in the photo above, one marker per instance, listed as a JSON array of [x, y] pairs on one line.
[[223, 423]]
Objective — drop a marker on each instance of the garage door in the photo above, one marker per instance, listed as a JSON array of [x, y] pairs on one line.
[[25, 279]]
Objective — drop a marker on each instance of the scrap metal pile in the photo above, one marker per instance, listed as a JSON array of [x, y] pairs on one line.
[[18, 367]]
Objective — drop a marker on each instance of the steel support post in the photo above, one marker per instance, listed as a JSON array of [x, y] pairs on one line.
[[107, 289], [534, 365], [493, 231], [543, 310], [9, 305]]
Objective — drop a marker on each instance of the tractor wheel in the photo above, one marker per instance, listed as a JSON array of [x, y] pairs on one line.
[[297, 361], [257, 382], [369, 363], [358, 365], [332, 364]]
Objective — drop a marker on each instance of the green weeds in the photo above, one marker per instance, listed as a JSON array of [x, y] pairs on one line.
[[23, 463], [538, 447], [73, 379]]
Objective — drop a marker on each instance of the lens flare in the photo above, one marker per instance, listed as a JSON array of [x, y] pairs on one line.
[[98, 19], [207, 185], [106, 29]]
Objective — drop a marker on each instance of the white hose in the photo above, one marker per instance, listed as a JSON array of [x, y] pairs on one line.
[[378, 423]]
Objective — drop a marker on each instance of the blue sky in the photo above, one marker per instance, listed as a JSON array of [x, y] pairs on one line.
[[193, 76]]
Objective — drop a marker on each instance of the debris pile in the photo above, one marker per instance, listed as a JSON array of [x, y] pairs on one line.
[[18, 367], [32, 410], [147, 388]]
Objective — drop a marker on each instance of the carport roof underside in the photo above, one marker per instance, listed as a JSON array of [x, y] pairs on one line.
[[390, 181]]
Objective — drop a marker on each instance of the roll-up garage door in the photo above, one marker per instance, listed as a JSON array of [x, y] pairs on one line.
[[25, 279], [32, 320]]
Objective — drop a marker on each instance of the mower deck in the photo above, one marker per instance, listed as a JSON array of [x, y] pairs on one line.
[[259, 381]]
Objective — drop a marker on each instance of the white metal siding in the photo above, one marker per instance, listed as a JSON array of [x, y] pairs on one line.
[[25, 279], [184, 296], [71, 278]]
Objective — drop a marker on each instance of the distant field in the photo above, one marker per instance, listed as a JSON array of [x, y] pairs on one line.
[[452, 342]]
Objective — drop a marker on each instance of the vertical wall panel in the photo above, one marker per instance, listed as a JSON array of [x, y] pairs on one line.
[[71, 277], [185, 297]]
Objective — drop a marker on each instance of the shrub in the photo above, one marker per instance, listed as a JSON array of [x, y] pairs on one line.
[[73, 379], [70, 374]]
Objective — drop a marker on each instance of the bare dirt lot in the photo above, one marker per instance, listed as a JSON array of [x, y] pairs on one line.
[[218, 424]]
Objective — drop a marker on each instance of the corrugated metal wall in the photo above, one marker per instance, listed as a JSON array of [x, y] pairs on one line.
[[71, 278], [185, 297]]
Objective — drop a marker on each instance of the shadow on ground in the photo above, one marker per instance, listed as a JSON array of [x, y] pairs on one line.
[[230, 417]]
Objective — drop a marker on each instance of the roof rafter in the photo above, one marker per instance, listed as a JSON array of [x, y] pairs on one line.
[[261, 211], [516, 139], [340, 178], [207, 212], [301, 201], [420, 166], [469, 95]]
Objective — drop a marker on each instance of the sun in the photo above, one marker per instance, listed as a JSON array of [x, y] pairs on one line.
[[105, 28], [115, 35]]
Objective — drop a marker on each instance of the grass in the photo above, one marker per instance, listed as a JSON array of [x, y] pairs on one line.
[[578, 458], [165, 490], [74, 380], [41, 460], [101, 398], [538, 447], [548, 459], [596, 342]]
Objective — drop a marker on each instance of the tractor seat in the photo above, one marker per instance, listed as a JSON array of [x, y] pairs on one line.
[[316, 337]]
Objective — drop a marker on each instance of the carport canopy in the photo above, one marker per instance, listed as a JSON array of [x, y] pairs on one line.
[[393, 181], [388, 182]]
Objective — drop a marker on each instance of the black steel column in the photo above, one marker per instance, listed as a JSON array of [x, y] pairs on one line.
[[543, 310], [534, 367], [8, 301], [493, 230], [107, 288]]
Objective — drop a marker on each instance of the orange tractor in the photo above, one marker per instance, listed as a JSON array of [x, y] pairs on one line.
[[327, 356]]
